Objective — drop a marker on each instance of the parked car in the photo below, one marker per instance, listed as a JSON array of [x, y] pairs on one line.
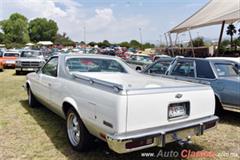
[[221, 75], [160, 56], [9, 59], [29, 60], [102, 96], [159, 67], [1, 61], [235, 60], [139, 61]]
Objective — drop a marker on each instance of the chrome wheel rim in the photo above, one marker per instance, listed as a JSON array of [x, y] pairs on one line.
[[73, 129]]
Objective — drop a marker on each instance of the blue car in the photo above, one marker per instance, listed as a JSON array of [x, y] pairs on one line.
[[222, 75]]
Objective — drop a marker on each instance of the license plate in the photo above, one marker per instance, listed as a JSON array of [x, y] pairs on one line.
[[28, 69], [178, 110]]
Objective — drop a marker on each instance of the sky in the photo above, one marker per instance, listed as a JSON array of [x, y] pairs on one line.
[[113, 20]]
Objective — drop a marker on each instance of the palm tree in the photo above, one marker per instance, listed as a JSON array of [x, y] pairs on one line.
[[239, 34], [231, 30]]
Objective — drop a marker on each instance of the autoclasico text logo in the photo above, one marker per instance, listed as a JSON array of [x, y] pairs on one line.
[[187, 153]]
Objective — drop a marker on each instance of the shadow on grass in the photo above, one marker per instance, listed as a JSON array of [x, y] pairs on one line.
[[232, 118], [54, 127]]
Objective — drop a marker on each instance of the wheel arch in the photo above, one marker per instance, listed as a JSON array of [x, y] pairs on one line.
[[69, 103], [138, 67], [217, 101]]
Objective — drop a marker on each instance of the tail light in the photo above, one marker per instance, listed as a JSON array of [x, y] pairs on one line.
[[139, 143]]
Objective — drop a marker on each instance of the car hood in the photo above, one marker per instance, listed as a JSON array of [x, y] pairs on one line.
[[31, 59]]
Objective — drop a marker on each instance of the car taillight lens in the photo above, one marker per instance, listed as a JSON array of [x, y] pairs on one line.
[[209, 125], [139, 143]]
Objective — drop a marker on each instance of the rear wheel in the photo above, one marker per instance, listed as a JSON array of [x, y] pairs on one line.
[[78, 136], [32, 102], [17, 72], [218, 107]]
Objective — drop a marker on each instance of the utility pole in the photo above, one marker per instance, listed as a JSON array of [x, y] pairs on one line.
[[84, 37], [140, 36], [160, 39], [84, 33]]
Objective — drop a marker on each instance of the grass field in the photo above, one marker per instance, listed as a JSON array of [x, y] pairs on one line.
[[37, 133]]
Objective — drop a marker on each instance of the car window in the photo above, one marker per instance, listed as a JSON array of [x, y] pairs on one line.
[[1, 53], [159, 67], [204, 70], [183, 68], [11, 55], [93, 65], [31, 54], [226, 69], [50, 68]]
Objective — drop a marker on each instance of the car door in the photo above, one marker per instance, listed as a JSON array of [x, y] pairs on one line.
[[47, 76]]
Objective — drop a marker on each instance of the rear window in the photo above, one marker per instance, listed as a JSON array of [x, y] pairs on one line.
[[11, 55], [226, 69], [93, 65]]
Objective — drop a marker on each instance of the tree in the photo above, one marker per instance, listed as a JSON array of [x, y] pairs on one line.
[[239, 33], [135, 44], [15, 29], [148, 45], [92, 44], [41, 29], [198, 42], [124, 44], [63, 40], [2, 36], [231, 30]]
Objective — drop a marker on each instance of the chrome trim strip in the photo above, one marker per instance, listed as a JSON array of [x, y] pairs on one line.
[[93, 81], [231, 108]]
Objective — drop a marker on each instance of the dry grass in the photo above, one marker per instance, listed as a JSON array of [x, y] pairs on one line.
[[37, 133]]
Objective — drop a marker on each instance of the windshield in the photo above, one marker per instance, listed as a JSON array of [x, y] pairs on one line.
[[8, 54], [31, 54], [226, 70], [93, 65]]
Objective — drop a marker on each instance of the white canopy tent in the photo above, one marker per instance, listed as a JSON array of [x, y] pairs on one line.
[[45, 43], [214, 12], [29, 44]]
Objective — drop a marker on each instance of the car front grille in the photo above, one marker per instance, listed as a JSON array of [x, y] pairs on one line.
[[30, 64]]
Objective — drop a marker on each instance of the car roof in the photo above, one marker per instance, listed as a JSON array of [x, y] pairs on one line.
[[88, 56], [206, 59]]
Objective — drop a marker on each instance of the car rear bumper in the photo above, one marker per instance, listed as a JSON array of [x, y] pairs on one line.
[[159, 136], [9, 65]]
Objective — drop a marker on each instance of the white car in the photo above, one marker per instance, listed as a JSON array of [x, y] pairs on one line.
[[100, 96]]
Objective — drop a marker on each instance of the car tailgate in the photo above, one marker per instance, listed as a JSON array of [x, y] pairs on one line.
[[148, 108]]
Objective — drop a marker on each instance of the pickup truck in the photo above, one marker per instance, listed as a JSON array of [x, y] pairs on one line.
[[29, 60], [139, 61], [101, 96]]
